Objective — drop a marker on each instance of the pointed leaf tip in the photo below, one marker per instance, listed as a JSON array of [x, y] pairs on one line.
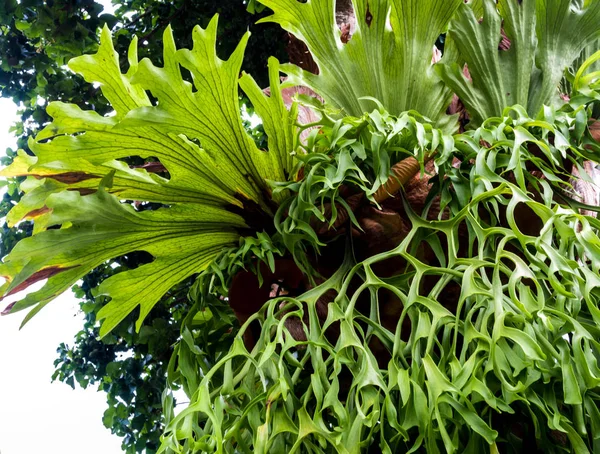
[[107, 181], [8, 308]]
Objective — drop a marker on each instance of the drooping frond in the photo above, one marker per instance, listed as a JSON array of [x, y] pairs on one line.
[[77, 177]]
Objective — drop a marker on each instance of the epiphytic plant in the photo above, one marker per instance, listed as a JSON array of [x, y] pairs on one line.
[[401, 286]]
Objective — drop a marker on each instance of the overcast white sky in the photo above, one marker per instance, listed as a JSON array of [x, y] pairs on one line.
[[37, 416]]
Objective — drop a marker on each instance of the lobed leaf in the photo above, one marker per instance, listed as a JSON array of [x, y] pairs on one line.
[[388, 57], [543, 38], [77, 181]]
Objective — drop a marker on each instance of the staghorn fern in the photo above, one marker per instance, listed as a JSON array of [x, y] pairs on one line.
[[205, 197], [513, 362], [518, 354]]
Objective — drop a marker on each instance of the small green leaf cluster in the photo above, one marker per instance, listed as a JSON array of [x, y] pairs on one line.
[[350, 157]]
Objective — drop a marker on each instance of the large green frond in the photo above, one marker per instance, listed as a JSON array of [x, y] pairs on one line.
[[545, 37], [77, 180], [182, 239], [388, 57]]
